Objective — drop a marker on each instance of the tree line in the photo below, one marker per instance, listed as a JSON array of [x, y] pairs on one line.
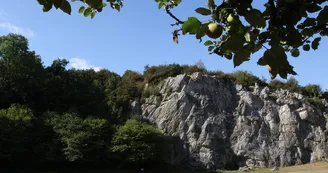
[[52, 115]]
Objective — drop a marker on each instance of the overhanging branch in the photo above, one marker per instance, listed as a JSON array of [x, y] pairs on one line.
[[178, 21]]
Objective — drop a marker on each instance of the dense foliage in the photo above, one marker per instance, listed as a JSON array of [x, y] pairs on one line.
[[54, 115], [238, 28]]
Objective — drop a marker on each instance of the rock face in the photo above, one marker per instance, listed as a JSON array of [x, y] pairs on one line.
[[223, 125]]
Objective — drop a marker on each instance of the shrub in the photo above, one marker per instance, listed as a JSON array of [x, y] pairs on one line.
[[15, 134], [155, 74], [312, 90], [247, 79], [292, 85], [137, 142], [83, 140]]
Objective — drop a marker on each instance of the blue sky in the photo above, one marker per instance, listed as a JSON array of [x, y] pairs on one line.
[[138, 35]]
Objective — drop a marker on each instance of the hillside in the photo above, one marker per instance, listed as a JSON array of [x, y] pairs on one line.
[[169, 115]]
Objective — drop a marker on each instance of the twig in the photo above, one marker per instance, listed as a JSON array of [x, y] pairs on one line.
[[174, 17]]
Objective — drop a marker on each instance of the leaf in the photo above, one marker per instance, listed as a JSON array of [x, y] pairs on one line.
[[177, 2], [255, 18], [306, 47], [202, 31], [294, 39], [66, 7], [261, 61], [234, 42], [160, 5], [47, 5], [275, 57], [87, 12], [208, 42], [309, 21], [283, 74], [295, 53], [312, 8], [240, 57], [315, 43], [81, 9], [203, 11], [58, 3], [210, 48], [94, 3], [191, 26], [93, 14], [323, 16]]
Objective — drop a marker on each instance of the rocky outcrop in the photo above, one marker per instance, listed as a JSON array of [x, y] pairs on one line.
[[223, 125]]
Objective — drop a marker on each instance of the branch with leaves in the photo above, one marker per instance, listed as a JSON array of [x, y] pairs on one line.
[[236, 29]]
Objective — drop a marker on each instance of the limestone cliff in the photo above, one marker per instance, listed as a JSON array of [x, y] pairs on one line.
[[223, 125]]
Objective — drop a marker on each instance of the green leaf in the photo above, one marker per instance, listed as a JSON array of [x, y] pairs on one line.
[[94, 3], [255, 18], [295, 53], [294, 39], [275, 57], [47, 5], [323, 16], [66, 7], [283, 74], [117, 7], [177, 2], [306, 47], [233, 43], [160, 5], [191, 26], [309, 21], [58, 3], [210, 48], [315, 43], [208, 42], [81, 9], [240, 57], [203, 11], [202, 31], [93, 14], [312, 8], [262, 61], [87, 12]]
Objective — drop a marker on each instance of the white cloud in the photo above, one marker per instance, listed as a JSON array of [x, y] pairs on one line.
[[9, 27], [17, 30], [79, 63]]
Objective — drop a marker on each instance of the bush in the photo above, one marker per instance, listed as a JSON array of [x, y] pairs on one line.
[[137, 143], [83, 140], [312, 90], [247, 79], [15, 134], [292, 85]]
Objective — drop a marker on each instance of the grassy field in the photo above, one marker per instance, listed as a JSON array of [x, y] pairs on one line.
[[310, 168]]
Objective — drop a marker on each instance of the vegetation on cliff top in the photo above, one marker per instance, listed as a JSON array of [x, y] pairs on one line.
[[58, 116]]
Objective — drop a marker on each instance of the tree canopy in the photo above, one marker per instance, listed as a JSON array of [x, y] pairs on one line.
[[236, 29]]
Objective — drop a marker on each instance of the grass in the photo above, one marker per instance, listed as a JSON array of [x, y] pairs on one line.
[[320, 167]]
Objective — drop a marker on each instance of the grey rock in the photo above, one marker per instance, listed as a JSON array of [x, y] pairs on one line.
[[223, 125]]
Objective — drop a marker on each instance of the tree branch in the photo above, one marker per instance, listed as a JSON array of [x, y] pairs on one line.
[[178, 21]]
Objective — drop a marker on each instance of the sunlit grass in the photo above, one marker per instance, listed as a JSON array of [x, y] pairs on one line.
[[320, 167]]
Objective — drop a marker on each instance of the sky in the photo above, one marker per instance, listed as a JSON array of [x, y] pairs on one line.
[[138, 35]]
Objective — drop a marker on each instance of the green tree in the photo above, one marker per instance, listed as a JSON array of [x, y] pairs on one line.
[[83, 139], [21, 74], [137, 142], [237, 28]]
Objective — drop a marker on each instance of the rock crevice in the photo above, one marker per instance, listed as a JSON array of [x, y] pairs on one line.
[[223, 125]]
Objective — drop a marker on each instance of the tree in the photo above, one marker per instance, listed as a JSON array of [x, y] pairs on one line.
[[237, 28], [137, 142]]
